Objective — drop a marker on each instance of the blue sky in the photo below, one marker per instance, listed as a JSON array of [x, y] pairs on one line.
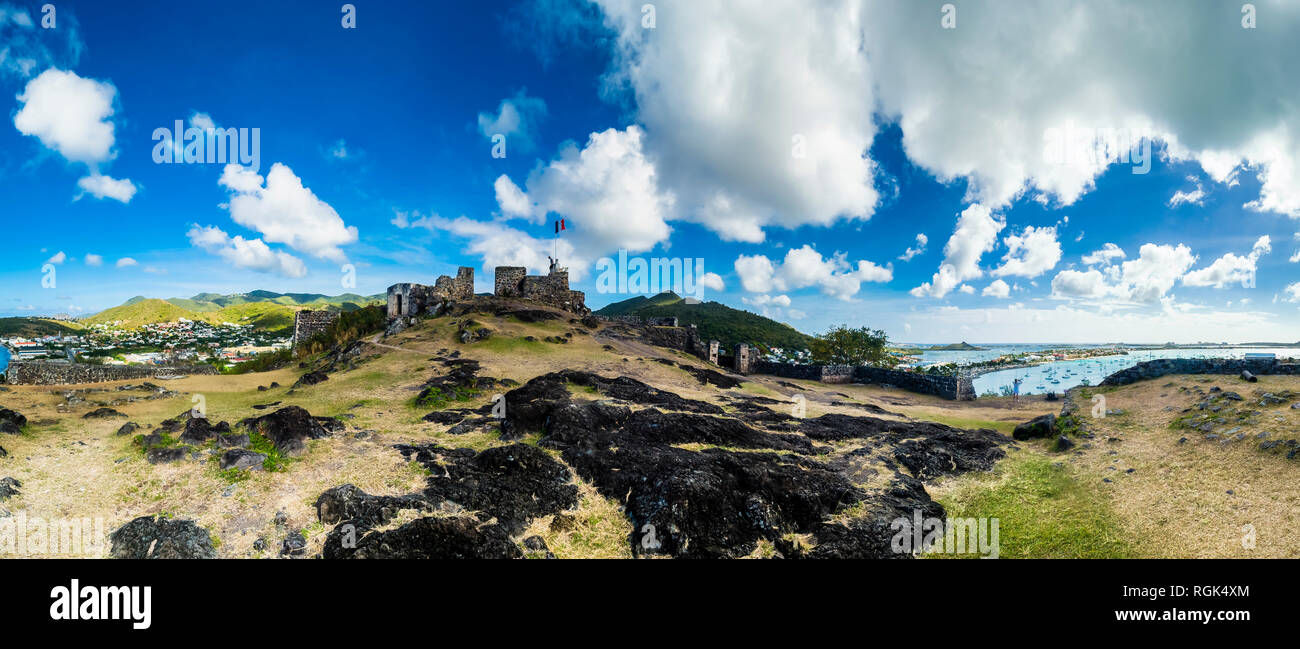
[[797, 150]]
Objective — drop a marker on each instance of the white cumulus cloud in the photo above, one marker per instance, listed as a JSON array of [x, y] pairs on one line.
[[975, 234], [285, 211], [252, 254]]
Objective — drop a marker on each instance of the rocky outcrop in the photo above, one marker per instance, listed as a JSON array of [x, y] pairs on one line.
[[159, 537], [9, 488], [290, 427], [241, 459], [1038, 427], [11, 422], [505, 487], [199, 430], [693, 480], [102, 413]]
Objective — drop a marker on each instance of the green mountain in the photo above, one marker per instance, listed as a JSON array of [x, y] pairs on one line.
[[962, 346], [714, 320], [28, 327], [265, 310], [135, 313]]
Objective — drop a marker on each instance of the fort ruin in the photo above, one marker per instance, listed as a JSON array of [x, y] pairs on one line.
[[410, 300]]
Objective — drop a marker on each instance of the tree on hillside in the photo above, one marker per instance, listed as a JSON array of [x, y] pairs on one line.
[[844, 346]]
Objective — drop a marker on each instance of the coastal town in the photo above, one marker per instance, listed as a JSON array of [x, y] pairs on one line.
[[182, 341]]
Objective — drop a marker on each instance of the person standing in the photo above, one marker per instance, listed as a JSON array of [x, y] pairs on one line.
[[1015, 391]]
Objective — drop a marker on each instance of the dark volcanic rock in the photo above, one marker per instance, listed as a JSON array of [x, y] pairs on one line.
[[233, 440], [102, 413], [714, 377], [290, 427], [951, 452], [128, 428], [513, 483], [446, 417], [9, 488], [348, 503], [311, 378], [528, 406], [870, 537], [293, 545], [712, 503], [11, 422], [159, 537], [529, 315], [199, 430], [427, 538], [834, 427], [1044, 426], [165, 455], [242, 459]]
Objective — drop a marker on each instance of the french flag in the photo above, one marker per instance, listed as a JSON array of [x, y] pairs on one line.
[[559, 225]]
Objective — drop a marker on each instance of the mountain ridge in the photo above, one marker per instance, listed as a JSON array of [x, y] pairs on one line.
[[714, 320]]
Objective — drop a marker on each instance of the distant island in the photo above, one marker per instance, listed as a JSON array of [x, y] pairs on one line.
[[962, 346]]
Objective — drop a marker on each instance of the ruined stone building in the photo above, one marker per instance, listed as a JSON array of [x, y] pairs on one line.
[[412, 299], [309, 323], [551, 289]]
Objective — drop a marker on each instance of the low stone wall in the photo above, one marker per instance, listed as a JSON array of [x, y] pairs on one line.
[[1162, 366], [959, 388], [823, 373], [44, 373], [948, 387]]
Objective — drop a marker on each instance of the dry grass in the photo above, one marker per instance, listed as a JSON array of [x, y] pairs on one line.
[[1176, 502]]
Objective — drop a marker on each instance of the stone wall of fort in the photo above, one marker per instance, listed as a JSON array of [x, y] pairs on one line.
[[46, 373], [307, 324], [948, 387], [1162, 366], [410, 300], [551, 289]]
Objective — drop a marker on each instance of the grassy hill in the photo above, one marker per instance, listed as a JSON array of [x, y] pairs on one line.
[[714, 320], [28, 327], [265, 310], [141, 312]]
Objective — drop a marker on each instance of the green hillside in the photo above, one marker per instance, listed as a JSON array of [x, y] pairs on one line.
[[28, 327], [265, 310], [141, 312], [714, 320]]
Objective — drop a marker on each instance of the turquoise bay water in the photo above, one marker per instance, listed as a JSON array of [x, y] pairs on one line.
[[1067, 374], [4, 358]]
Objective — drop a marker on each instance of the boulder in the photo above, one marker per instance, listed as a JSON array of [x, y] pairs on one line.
[[199, 430], [128, 428], [166, 454], [348, 503], [242, 459], [233, 440], [158, 537], [1038, 427], [311, 378], [11, 422], [9, 488], [290, 427], [461, 537], [102, 413]]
